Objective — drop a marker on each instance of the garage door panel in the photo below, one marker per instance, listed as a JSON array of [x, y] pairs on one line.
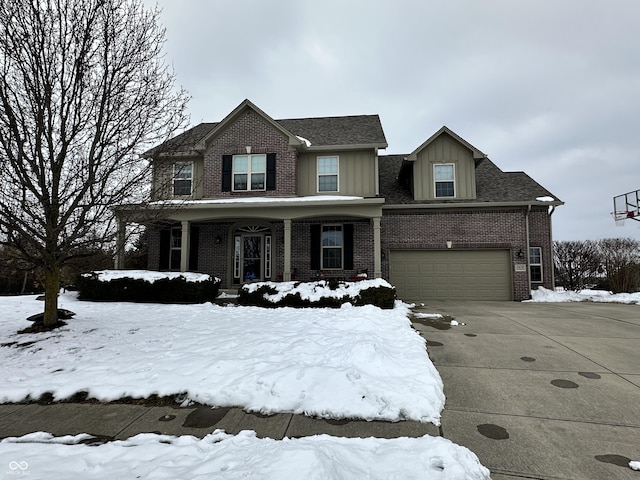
[[451, 275]]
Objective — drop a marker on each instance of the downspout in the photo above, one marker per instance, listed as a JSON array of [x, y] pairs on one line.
[[376, 173], [526, 226]]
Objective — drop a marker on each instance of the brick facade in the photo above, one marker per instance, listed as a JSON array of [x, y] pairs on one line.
[[250, 130], [471, 230]]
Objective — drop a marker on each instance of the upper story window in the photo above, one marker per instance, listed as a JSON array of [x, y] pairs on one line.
[[182, 178], [327, 174], [249, 172], [535, 264], [444, 178]]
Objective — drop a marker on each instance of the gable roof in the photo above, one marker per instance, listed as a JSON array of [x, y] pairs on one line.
[[492, 185], [322, 133], [477, 154]]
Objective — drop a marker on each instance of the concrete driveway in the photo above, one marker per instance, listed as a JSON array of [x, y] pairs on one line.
[[541, 390]]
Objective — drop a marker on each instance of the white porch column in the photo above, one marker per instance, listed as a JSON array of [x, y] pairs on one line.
[[377, 251], [184, 246], [120, 244], [286, 275]]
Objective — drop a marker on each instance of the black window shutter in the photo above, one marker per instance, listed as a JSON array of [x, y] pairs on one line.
[[271, 171], [227, 160], [194, 242], [315, 247], [165, 246], [347, 230]]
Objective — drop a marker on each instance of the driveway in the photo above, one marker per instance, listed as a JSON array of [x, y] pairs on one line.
[[540, 390]]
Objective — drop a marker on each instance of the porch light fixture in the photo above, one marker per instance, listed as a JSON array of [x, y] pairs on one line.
[[520, 254], [248, 149], [449, 243], [218, 240]]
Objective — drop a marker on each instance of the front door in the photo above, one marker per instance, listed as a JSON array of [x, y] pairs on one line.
[[252, 258]]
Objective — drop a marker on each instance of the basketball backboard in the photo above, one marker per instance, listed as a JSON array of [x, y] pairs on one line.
[[626, 206]]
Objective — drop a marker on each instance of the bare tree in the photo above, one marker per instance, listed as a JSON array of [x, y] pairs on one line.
[[84, 89], [576, 263], [621, 263]]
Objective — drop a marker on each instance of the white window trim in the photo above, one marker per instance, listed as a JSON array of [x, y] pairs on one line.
[[174, 178], [455, 189], [249, 172], [337, 174], [536, 265], [322, 247]]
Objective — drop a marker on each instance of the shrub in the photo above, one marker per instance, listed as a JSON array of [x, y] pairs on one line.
[[334, 294], [165, 290]]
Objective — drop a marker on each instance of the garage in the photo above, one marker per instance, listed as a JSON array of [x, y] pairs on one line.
[[420, 275]]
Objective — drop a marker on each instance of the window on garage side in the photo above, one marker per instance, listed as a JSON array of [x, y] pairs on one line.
[[444, 179], [535, 264]]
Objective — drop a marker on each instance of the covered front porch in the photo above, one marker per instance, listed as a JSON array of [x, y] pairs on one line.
[[255, 239]]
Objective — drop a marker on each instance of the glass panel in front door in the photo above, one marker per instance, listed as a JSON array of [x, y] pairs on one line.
[[252, 257]]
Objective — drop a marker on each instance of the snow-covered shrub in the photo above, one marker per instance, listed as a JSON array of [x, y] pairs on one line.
[[318, 294], [143, 286]]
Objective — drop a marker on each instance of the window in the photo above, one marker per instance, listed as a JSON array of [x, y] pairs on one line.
[[249, 172], [182, 178], [327, 174], [175, 249], [535, 264], [444, 177], [331, 244]]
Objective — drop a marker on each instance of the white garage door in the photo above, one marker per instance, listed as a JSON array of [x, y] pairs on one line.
[[420, 275]]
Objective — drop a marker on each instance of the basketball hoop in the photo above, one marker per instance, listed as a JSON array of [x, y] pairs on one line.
[[626, 206]]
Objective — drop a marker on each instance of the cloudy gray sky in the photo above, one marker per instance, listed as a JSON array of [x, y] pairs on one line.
[[550, 88]]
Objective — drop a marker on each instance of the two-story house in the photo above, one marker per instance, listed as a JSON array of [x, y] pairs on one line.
[[252, 198]]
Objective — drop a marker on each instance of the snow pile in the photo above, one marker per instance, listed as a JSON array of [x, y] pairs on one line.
[[304, 140], [545, 199], [314, 291], [220, 455], [148, 275], [350, 362], [634, 465], [544, 295], [274, 200], [427, 315]]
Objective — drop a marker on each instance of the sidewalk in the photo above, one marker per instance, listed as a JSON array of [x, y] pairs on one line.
[[118, 421]]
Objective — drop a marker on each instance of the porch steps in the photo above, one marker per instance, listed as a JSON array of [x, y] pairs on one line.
[[227, 296]]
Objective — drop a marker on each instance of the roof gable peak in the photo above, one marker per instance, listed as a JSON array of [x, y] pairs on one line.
[[477, 154], [239, 110]]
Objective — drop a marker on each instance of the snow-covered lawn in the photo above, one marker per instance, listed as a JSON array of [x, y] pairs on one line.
[[352, 362]]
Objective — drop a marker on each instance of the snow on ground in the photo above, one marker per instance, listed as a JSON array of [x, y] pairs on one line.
[[220, 455], [352, 362], [634, 465], [545, 295]]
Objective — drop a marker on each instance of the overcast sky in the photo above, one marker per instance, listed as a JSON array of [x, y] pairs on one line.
[[551, 88]]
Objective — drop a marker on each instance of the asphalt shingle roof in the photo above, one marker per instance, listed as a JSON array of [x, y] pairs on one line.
[[322, 131], [492, 184]]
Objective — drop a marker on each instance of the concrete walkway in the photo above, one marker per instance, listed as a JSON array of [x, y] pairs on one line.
[[536, 390], [541, 390]]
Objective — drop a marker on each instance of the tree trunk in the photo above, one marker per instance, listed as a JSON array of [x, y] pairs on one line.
[[51, 290]]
